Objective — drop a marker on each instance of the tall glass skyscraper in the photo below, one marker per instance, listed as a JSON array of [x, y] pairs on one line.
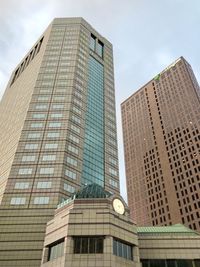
[[58, 133]]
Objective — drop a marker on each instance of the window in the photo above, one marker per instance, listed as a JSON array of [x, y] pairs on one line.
[[53, 135], [75, 129], [41, 107], [49, 158], [113, 183], [70, 174], [39, 116], [31, 146], [74, 138], [73, 149], [56, 250], [88, 245], [145, 263], [76, 119], [72, 161], [21, 185], [51, 146], [37, 125], [46, 170], [41, 200], [43, 98], [122, 249], [28, 158], [112, 171], [99, 49], [43, 185], [112, 161], [27, 60], [18, 201], [55, 124], [92, 42], [57, 115], [69, 188], [75, 109], [58, 98], [171, 263], [184, 263], [34, 135], [25, 171], [57, 106], [157, 263]]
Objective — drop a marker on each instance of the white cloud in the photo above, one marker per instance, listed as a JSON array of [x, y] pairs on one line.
[[147, 36]]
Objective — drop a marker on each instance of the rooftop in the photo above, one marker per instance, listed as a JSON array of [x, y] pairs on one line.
[[172, 229], [88, 191]]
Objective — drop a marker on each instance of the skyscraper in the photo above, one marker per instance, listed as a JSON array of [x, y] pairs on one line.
[[58, 132], [161, 131]]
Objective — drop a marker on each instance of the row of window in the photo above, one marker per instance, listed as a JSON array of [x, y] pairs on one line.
[[44, 185], [27, 60], [91, 245], [36, 201], [40, 185], [44, 158], [36, 146]]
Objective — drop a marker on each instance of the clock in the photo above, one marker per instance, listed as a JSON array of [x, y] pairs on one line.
[[118, 206]]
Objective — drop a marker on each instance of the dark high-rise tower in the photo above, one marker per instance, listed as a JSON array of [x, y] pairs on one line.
[[161, 130], [58, 132]]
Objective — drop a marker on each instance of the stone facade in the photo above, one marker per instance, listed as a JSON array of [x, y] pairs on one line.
[[90, 218]]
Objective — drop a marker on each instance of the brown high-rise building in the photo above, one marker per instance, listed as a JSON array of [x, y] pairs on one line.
[[58, 133], [161, 130]]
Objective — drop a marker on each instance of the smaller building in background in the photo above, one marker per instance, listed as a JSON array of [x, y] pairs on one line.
[[93, 228]]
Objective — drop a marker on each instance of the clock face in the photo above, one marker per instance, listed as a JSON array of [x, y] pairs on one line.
[[118, 206]]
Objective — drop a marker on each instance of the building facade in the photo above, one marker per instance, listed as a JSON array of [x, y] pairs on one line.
[[58, 132], [169, 246], [91, 230], [161, 131]]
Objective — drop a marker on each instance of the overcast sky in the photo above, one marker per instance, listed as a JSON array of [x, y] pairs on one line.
[[147, 36]]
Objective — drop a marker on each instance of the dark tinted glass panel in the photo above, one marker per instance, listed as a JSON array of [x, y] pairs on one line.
[[197, 263], [129, 252], [56, 250], [84, 245], [119, 249], [114, 247], [157, 263], [92, 245], [100, 49], [184, 263], [99, 245], [171, 263], [77, 245], [93, 152], [92, 42], [87, 245], [122, 249], [145, 263]]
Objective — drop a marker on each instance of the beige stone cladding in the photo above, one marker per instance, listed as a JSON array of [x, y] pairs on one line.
[[43, 114], [169, 243], [90, 218]]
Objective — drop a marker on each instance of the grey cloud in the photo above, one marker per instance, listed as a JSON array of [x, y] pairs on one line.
[[146, 35]]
